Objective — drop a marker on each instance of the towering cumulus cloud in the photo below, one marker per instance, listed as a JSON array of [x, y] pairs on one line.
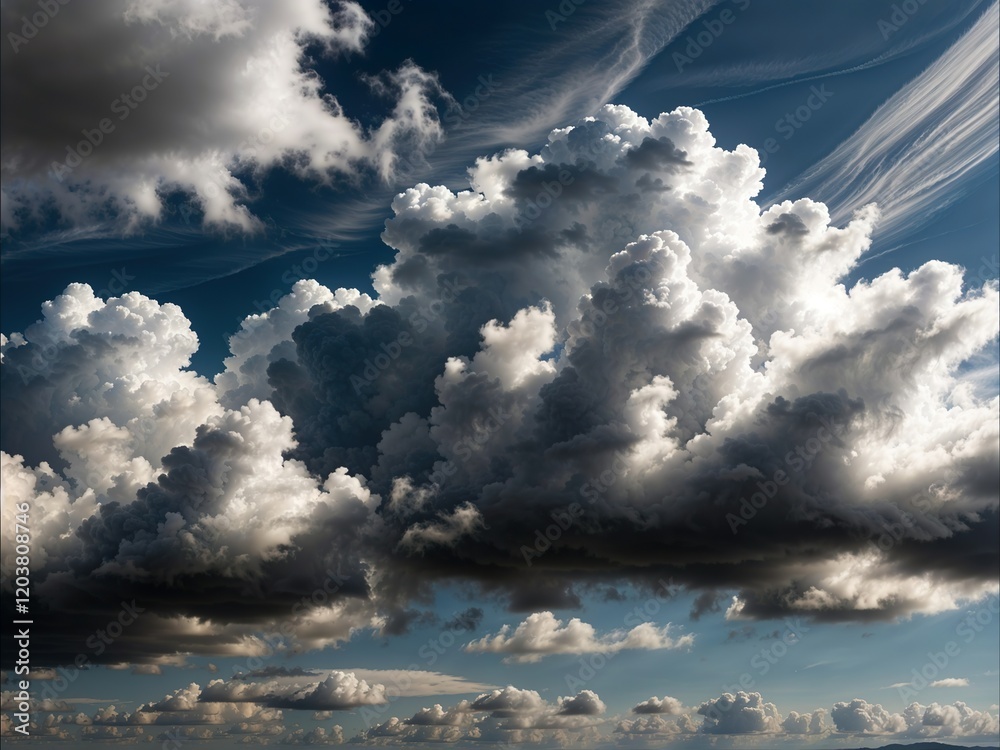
[[601, 362]]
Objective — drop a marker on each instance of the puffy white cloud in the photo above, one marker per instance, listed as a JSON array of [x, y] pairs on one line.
[[656, 727], [123, 433], [437, 715], [861, 717], [232, 94], [742, 713], [415, 683], [184, 707], [951, 682], [510, 714], [398, 731], [511, 353], [956, 720], [110, 377], [49, 497], [110, 716], [807, 723], [542, 634], [253, 502], [299, 688], [339, 691]]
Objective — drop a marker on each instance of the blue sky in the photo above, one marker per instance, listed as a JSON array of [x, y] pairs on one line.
[[800, 300]]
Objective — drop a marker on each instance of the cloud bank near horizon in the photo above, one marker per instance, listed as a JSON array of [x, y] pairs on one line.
[[503, 715]]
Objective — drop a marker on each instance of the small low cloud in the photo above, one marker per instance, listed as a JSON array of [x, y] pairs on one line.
[[339, 691], [542, 634], [951, 682]]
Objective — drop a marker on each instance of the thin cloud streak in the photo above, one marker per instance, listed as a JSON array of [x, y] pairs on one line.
[[619, 42], [923, 148], [748, 74]]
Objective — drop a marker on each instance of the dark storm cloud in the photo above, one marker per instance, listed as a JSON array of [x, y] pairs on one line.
[[401, 621], [354, 377], [706, 602], [542, 593]]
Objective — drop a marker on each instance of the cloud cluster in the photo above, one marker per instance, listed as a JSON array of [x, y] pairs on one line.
[[506, 715], [256, 704], [509, 715], [235, 93], [337, 692], [749, 713], [118, 435], [181, 707], [604, 353], [704, 349]]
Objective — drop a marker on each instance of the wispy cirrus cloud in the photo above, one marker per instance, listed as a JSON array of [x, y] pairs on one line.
[[925, 146]]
